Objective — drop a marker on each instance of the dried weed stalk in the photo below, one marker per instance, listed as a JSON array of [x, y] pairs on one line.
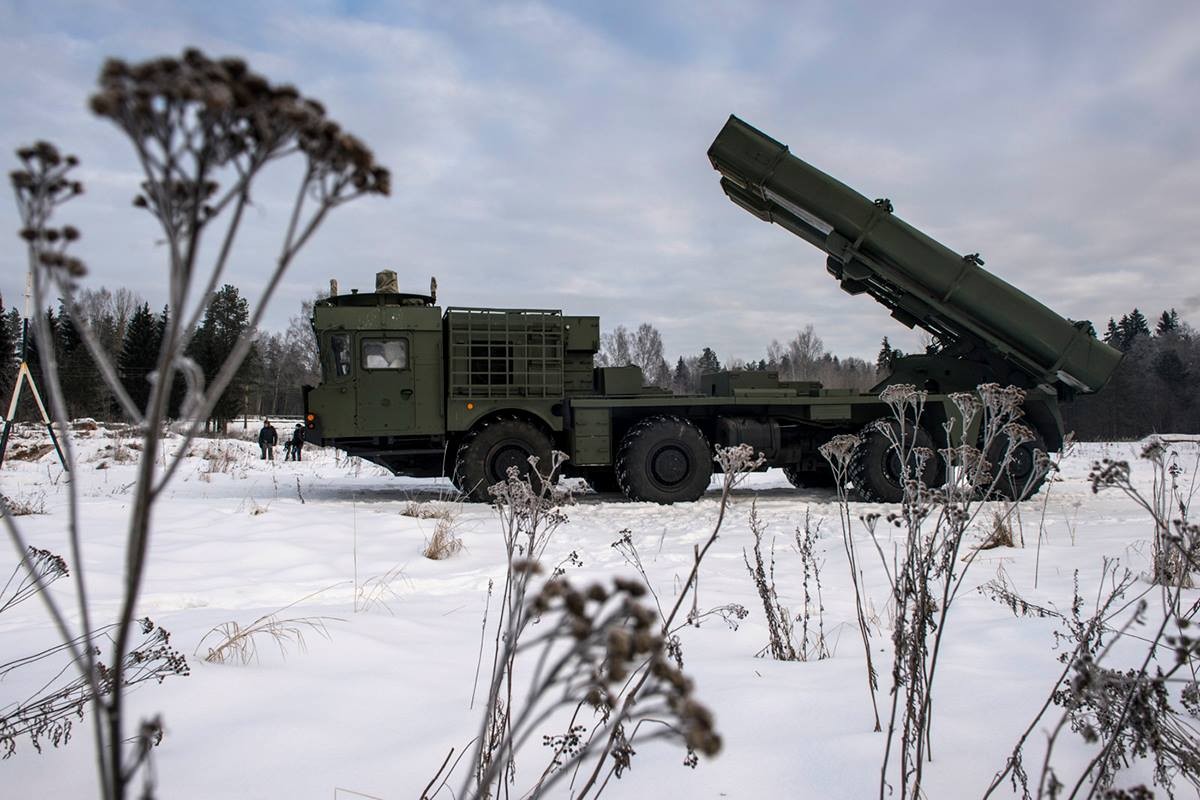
[[930, 569], [1145, 709], [778, 617], [25, 505], [598, 655], [839, 451], [1174, 554], [813, 642], [234, 643], [202, 131], [49, 715], [444, 543]]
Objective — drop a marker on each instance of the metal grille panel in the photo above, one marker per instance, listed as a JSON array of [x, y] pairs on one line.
[[505, 354]]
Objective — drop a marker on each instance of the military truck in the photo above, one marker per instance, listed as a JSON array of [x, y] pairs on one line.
[[469, 392]]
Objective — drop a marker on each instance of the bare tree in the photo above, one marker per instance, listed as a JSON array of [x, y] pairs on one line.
[[301, 343], [615, 348], [647, 353], [775, 354], [804, 352], [642, 348]]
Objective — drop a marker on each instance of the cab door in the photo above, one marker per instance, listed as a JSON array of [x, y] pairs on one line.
[[385, 382], [333, 400]]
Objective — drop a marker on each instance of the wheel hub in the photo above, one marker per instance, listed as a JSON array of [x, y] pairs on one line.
[[669, 465], [508, 454], [1021, 463]]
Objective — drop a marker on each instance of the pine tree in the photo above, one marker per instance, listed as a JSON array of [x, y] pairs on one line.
[[178, 385], [139, 354], [1113, 335], [709, 361], [82, 386], [1132, 326], [785, 368], [1167, 323], [225, 320], [681, 379], [884, 359], [33, 355], [10, 340]]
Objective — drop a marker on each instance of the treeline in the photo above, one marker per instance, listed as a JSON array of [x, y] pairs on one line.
[[1155, 387], [802, 358], [1154, 390], [129, 331]]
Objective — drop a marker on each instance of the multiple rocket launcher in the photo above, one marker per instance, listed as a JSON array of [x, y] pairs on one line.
[[920, 280]]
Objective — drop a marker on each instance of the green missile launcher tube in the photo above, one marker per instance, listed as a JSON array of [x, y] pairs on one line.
[[919, 279]]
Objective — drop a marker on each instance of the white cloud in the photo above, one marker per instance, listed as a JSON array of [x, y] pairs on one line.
[[546, 158]]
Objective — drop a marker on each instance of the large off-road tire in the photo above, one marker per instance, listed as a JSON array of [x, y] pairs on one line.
[[664, 460], [489, 450], [810, 478], [875, 466], [1021, 478], [603, 480]]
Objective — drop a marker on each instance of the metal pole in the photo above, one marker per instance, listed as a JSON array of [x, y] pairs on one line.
[[24, 374]]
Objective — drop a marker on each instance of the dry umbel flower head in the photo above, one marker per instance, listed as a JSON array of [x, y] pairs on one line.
[[218, 111], [42, 183], [614, 635]]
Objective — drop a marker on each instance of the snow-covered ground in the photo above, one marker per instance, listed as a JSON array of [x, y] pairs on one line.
[[375, 707]]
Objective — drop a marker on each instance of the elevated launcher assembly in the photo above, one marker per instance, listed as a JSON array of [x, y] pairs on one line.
[[471, 392], [973, 314]]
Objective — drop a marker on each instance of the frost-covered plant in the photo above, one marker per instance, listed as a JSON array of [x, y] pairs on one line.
[[838, 451], [813, 643], [34, 573], [48, 716], [25, 504], [202, 131], [926, 572], [598, 655], [784, 643], [778, 617], [1174, 554], [1143, 709], [930, 569], [530, 511]]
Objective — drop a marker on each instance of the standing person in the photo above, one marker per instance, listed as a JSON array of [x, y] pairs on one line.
[[297, 442], [267, 439]]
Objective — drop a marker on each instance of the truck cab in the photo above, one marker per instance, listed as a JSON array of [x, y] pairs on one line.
[[382, 375]]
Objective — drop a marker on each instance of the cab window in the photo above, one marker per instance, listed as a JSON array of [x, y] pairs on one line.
[[385, 354], [339, 345]]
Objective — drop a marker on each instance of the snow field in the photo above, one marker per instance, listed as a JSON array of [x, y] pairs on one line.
[[375, 706]]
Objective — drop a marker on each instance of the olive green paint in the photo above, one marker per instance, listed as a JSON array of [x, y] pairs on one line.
[[464, 367]]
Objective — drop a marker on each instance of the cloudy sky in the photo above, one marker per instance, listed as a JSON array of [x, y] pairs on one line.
[[553, 154]]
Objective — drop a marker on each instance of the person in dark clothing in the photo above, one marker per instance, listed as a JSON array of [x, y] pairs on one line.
[[267, 439], [295, 445]]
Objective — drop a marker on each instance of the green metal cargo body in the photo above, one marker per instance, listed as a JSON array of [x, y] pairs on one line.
[[470, 393]]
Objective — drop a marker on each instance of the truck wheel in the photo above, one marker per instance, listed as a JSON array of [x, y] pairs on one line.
[[603, 480], [489, 450], [875, 468], [809, 478], [664, 460], [1017, 481]]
